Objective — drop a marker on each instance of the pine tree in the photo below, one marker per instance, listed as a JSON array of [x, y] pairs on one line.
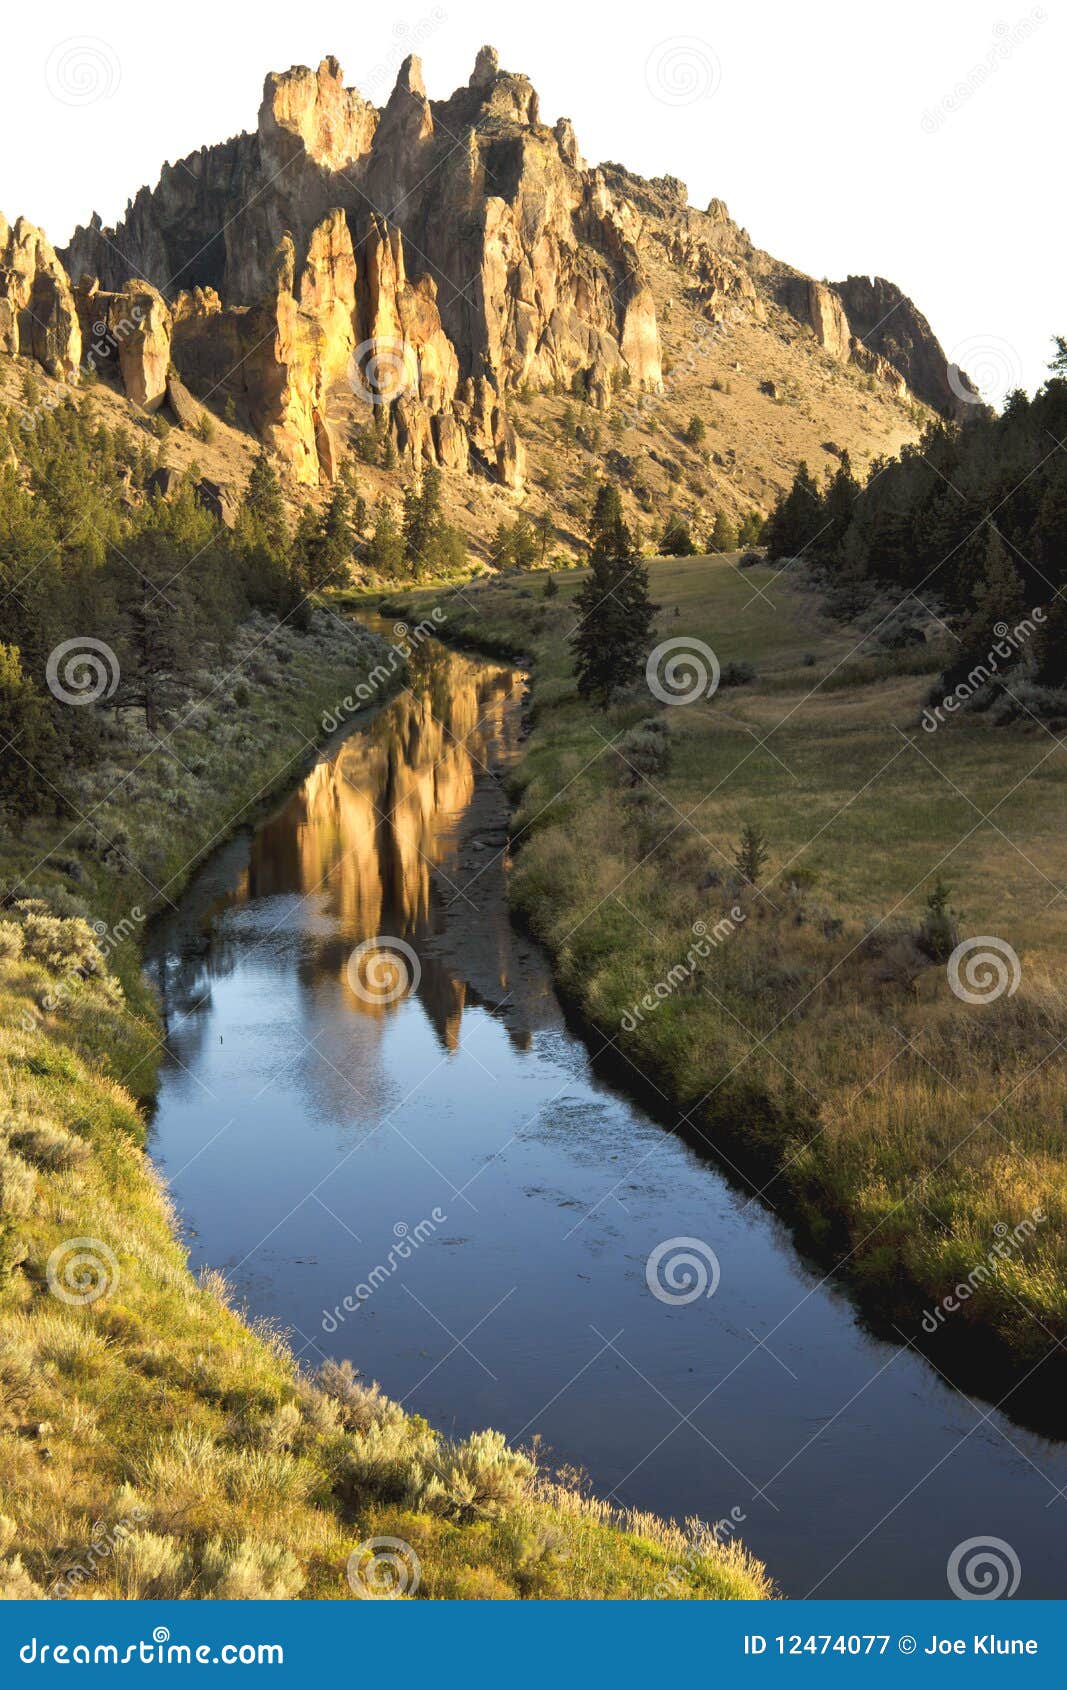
[[160, 626], [837, 512], [611, 641], [263, 500], [325, 546], [28, 741], [676, 540], [797, 517], [607, 510], [423, 523], [999, 597], [543, 530], [723, 534], [385, 553], [750, 859]]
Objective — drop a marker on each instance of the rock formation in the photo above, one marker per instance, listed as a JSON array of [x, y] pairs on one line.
[[890, 325], [37, 313], [428, 261]]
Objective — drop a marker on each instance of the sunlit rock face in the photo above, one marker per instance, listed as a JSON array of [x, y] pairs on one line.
[[418, 265], [462, 245], [38, 316]]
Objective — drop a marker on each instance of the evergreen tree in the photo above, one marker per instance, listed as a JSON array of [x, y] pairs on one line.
[[160, 626], [611, 641], [385, 552], [751, 529], [751, 856], [607, 510], [797, 517], [424, 526], [543, 531], [837, 512], [676, 540], [723, 534], [28, 741], [325, 546]]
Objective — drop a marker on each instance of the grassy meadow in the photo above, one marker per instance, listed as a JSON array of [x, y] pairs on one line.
[[916, 1141], [153, 1442]]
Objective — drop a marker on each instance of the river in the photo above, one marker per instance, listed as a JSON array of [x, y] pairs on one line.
[[402, 1154]]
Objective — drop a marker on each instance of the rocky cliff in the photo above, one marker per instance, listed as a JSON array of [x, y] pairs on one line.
[[422, 265]]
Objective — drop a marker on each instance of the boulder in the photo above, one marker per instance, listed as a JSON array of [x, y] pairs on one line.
[[183, 407], [222, 502]]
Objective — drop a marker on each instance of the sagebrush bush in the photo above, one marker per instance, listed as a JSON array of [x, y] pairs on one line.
[[147, 1567], [360, 1405], [481, 1478], [392, 1462], [46, 1144], [250, 1572]]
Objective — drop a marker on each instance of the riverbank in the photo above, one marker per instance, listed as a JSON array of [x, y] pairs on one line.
[[911, 1133], [155, 1444]]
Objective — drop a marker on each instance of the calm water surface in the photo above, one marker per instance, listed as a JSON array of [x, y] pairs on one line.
[[307, 1128]]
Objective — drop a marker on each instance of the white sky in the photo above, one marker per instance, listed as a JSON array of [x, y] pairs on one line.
[[823, 127]]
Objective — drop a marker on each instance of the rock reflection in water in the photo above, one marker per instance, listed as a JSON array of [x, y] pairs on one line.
[[360, 838]]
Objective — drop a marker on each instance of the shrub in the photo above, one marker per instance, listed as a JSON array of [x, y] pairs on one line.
[[146, 1566], [59, 944], [392, 1462], [481, 1478], [47, 1145], [11, 941], [736, 674], [939, 927], [250, 1572], [18, 1183], [644, 750], [360, 1406]]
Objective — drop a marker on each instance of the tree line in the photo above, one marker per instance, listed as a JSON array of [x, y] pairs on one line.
[[971, 520]]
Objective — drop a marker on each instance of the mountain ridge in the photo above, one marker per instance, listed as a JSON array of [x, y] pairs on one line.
[[428, 265]]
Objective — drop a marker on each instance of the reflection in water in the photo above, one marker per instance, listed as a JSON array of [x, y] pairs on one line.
[[360, 839]]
